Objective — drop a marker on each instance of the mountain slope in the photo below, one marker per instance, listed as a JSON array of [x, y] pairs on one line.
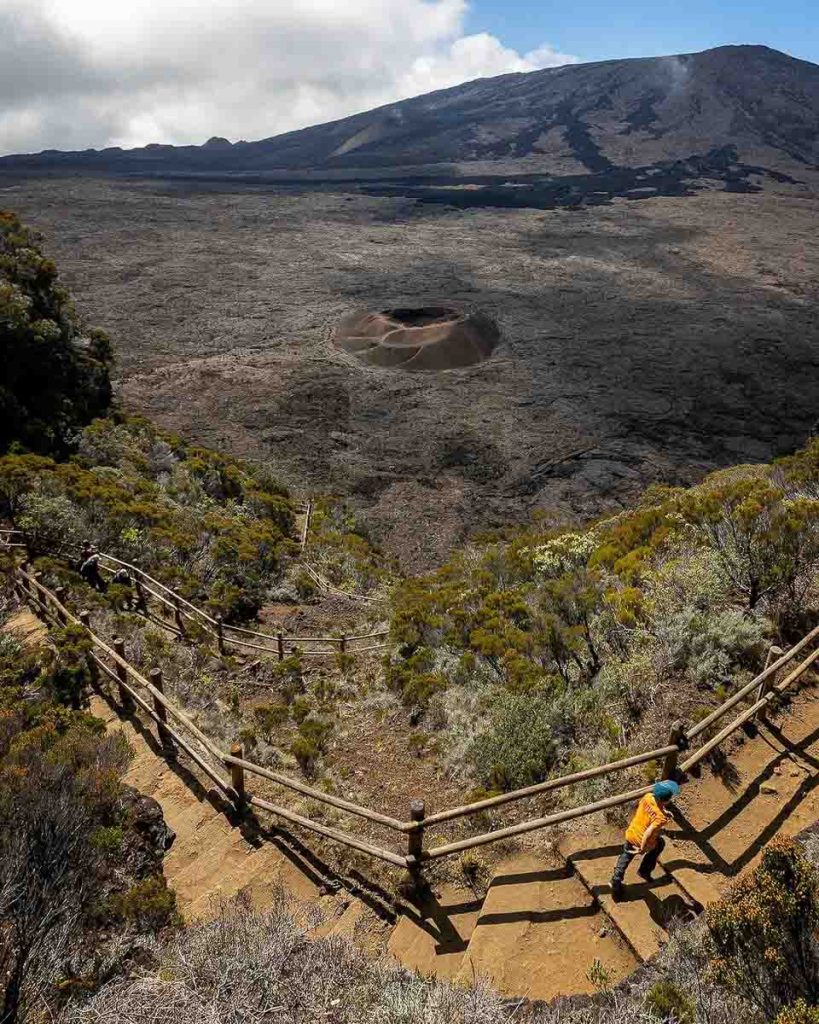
[[745, 103]]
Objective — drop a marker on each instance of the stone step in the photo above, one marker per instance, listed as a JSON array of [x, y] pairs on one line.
[[259, 873], [768, 787], [539, 934], [433, 939], [646, 909]]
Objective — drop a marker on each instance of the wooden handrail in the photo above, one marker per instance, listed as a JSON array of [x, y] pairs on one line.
[[749, 713], [332, 833], [771, 670], [534, 824], [169, 729], [210, 624], [174, 596], [549, 785], [327, 798], [415, 828], [219, 755]]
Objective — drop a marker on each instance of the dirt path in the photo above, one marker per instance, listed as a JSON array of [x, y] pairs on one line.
[[211, 857], [545, 927]]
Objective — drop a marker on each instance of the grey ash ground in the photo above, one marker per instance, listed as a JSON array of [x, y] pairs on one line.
[[641, 341]]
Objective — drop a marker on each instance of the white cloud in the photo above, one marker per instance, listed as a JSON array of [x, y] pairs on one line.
[[82, 73]]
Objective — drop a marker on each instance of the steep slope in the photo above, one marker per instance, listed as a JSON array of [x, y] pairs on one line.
[[745, 104]]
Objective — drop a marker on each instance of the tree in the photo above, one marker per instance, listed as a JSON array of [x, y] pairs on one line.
[[55, 372], [766, 544]]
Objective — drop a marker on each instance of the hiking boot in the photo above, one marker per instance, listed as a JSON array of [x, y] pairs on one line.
[[645, 875], [616, 890]]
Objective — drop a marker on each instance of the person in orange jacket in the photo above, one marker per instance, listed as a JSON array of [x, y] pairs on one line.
[[643, 836]]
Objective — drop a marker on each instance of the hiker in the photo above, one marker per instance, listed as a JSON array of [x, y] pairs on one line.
[[643, 834], [122, 578], [86, 551], [90, 569]]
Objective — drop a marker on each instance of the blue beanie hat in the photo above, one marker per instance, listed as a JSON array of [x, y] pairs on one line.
[[665, 790]]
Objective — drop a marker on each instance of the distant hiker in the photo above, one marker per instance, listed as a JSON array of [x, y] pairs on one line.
[[90, 570], [643, 834], [86, 551], [122, 578]]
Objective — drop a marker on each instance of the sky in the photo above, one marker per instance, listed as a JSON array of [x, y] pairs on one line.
[[78, 74]]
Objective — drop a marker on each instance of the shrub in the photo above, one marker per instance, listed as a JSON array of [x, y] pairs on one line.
[[517, 749], [764, 931], [55, 371], [149, 904], [310, 742], [799, 1013], [305, 585], [269, 718], [108, 839], [669, 1003]]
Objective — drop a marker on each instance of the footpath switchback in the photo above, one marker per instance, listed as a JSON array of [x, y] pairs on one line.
[[543, 923]]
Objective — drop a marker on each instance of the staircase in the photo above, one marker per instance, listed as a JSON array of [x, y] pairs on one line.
[[543, 923]]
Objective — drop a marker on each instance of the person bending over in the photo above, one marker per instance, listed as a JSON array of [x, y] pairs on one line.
[[643, 836]]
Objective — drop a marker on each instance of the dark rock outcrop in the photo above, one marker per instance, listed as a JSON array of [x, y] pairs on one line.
[[149, 837]]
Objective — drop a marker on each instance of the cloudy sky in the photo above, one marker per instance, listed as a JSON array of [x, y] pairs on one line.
[[93, 73], [83, 73]]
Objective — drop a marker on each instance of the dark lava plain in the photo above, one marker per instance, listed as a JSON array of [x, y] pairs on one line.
[[640, 341]]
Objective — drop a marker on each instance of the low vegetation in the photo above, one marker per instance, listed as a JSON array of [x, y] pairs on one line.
[[613, 630], [214, 528], [73, 869]]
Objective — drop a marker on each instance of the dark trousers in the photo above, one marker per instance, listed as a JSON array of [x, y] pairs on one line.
[[628, 855], [93, 578]]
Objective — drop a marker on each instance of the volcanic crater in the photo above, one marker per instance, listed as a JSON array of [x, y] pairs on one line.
[[434, 337]]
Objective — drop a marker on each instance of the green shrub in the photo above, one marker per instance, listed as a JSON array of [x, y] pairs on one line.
[[108, 839], [799, 1013], [517, 749], [269, 718], [763, 932], [309, 743], [55, 371], [149, 904], [668, 1003], [300, 709], [305, 585]]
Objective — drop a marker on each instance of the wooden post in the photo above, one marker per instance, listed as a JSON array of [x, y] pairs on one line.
[[122, 674], [37, 594], [415, 841], [774, 654], [93, 669], [343, 644], [220, 635], [139, 590], [155, 676], [676, 737], [237, 777], [25, 586], [280, 641], [60, 594], [177, 614]]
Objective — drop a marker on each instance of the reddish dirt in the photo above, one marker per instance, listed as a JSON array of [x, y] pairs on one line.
[[545, 921]]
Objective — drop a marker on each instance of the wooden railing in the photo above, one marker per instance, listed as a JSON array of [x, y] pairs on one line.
[[147, 694], [279, 645], [11, 539]]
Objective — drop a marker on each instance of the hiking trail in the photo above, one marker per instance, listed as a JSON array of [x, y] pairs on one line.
[[543, 923]]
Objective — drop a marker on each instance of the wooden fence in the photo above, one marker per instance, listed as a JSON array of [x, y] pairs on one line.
[[175, 727], [279, 645]]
